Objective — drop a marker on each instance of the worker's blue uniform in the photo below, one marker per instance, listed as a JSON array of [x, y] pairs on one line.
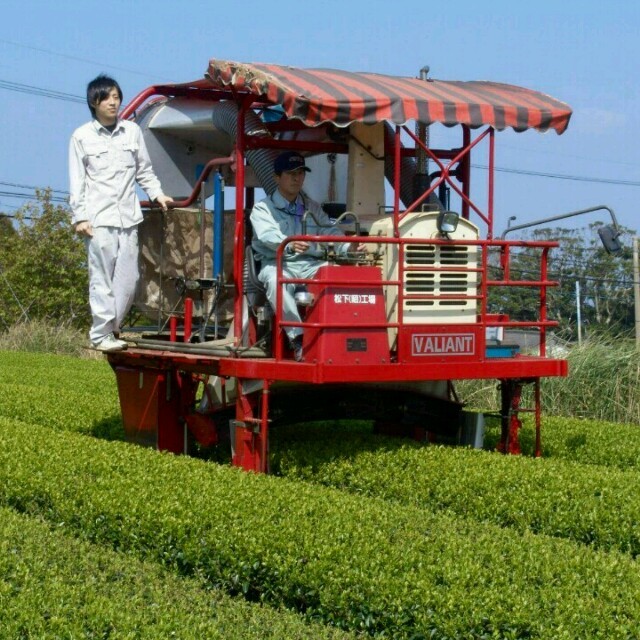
[[274, 219]]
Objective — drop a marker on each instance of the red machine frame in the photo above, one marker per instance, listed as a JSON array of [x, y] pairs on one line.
[[158, 387]]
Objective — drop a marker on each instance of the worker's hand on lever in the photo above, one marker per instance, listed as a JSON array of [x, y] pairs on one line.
[[164, 201], [84, 228], [298, 246]]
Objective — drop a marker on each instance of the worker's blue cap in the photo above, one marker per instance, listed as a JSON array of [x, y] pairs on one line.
[[289, 161]]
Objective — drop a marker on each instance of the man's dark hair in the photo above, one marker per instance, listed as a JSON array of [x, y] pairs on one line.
[[99, 89]]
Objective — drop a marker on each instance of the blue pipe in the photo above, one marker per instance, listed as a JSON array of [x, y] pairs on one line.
[[218, 225]]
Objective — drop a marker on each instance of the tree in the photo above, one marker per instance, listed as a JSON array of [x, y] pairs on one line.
[[6, 229], [605, 282], [43, 273], [608, 296]]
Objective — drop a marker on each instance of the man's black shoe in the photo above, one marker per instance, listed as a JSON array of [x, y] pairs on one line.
[[296, 347]]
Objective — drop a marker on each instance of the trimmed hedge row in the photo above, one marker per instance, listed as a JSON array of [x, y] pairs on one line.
[[53, 586], [350, 561], [61, 392], [81, 395], [70, 409], [591, 442], [594, 505], [57, 371], [580, 440]]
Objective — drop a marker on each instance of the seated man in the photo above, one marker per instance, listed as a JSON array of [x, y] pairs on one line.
[[279, 216]]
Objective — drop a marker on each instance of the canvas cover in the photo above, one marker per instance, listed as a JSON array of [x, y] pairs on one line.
[[169, 249], [315, 96]]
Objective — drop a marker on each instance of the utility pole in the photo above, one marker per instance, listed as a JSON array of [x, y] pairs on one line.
[[636, 289]]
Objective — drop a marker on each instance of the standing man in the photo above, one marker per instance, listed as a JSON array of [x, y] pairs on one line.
[[279, 216], [107, 157]]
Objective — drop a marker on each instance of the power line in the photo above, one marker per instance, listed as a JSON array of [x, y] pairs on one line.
[[28, 196], [12, 217], [561, 176], [26, 186], [77, 58], [556, 153], [569, 277], [6, 205], [39, 91]]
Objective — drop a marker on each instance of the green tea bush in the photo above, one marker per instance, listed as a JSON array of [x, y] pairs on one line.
[[609, 444], [593, 505], [360, 563], [60, 392], [592, 442], [57, 372], [54, 586]]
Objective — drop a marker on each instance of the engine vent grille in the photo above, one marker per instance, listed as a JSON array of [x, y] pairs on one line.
[[449, 280]]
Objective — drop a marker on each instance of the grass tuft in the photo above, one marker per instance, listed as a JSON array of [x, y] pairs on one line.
[[39, 336], [603, 384]]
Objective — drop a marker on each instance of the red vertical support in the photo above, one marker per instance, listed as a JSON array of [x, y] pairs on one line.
[[400, 297], [511, 395], [250, 435], [515, 424], [243, 436], [277, 333], [484, 287], [171, 429], [173, 328], [264, 430], [188, 318], [490, 184], [505, 262], [505, 404], [238, 244], [396, 181], [538, 414], [466, 171], [544, 274]]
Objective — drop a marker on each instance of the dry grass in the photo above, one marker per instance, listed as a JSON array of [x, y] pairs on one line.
[[41, 337], [603, 384]]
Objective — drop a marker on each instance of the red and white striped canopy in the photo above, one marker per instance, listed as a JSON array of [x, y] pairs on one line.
[[316, 96]]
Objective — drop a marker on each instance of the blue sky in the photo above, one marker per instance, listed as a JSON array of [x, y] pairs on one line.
[[584, 53]]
